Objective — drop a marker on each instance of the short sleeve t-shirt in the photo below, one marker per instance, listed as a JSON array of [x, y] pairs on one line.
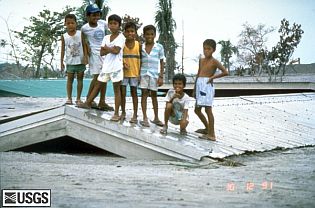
[[113, 62], [95, 35], [150, 63]]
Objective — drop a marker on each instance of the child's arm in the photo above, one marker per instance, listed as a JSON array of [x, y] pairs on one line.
[[194, 90], [160, 79], [85, 50], [62, 66], [106, 50], [224, 72], [185, 114]]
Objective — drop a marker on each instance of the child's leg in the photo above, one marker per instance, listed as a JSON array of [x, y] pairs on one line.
[[80, 76], [92, 84], [123, 99], [211, 134], [117, 97], [201, 116], [155, 106], [167, 113], [183, 124], [144, 98], [102, 102], [134, 96], [97, 86], [69, 85]]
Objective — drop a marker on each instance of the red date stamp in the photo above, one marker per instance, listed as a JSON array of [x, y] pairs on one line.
[[249, 186]]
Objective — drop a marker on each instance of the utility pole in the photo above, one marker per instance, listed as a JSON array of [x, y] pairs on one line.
[[183, 47]]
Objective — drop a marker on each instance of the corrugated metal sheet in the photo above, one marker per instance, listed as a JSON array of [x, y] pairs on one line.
[[242, 124]]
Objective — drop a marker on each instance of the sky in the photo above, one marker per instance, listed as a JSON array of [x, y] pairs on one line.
[[197, 20]]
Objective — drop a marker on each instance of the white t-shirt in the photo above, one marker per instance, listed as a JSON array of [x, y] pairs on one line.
[[184, 101], [95, 35], [73, 48], [113, 62]]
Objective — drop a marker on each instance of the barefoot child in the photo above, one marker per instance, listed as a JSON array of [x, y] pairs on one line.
[[132, 57], [204, 89], [112, 51], [73, 46], [152, 68], [94, 31], [177, 104]]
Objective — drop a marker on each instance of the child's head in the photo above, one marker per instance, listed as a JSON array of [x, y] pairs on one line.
[[209, 47], [210, 43], [71, 22], [114, 17], [93, 14], [179, 82], [149, 33], [130, 30], [92, 9], [114, 22]]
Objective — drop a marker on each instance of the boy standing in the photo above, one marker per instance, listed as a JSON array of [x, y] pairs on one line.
[[73, 46], [132, 57], [204, 89], [177, 104], [94, 31], [111, 49], [152, 69]]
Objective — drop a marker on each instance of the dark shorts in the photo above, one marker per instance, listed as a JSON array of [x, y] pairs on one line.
[[76, 68]]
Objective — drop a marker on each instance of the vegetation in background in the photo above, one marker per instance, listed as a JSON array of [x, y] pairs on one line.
[[166, 26]]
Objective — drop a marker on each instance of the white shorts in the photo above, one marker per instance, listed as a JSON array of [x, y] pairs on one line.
[[204, 92], [147, 82], [116, 76], [95, 64], [132, 81]]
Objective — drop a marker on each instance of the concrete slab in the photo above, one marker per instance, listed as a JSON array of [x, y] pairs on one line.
[[243, 124]]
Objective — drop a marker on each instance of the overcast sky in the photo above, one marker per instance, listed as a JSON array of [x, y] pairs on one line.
[[199, 19]]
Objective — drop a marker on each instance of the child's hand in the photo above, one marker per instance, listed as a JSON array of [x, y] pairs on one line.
[[85, 60], [104, 50], [62, 67], [126, 66], [210, 80], [160, 81]]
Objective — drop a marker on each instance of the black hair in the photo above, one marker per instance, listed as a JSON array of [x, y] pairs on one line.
[[211, 43], [149, 27], [115, 17], [71, 16], [130, 25], [180, 77]]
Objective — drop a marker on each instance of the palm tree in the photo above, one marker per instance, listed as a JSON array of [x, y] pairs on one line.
[[226, 52], [166, 26]]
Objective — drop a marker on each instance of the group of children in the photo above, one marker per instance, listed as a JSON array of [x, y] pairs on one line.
[[123, 60]]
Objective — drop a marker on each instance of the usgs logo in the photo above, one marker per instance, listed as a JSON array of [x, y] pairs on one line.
[[26, 198]]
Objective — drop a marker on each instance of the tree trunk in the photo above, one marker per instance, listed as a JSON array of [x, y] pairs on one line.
[[39, 61]]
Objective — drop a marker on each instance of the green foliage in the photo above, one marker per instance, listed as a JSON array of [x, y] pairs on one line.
[[290, 37], [3, 43], [251, 45], [166, 26], [227, 50], [41, 36]]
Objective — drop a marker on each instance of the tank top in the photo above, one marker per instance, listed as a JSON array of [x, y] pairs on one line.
[[132, 58], [73, 48]]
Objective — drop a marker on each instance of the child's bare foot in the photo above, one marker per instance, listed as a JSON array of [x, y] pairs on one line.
[[84, 105], [202, 131], [69, 102], [207, 137], [164, 130], [183, 132]]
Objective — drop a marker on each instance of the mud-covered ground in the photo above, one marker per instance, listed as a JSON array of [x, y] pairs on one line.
[[272, 179]]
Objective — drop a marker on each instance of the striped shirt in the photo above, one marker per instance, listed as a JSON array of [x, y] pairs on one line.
[[150, 63]]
